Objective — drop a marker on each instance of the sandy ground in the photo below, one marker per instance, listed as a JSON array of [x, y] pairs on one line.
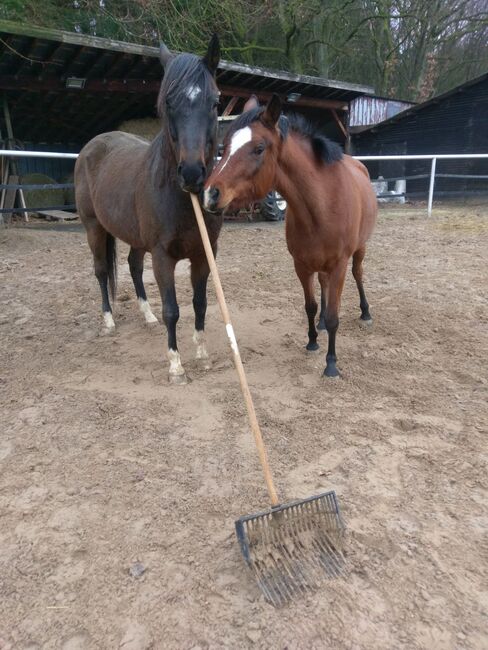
[[103, 464]]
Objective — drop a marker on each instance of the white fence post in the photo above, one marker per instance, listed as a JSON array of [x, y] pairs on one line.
[[431, 186]]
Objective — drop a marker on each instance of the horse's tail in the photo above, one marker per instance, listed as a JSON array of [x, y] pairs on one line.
[[111, 251]]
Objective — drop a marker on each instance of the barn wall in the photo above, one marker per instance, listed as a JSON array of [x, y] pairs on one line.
[[457, 124]]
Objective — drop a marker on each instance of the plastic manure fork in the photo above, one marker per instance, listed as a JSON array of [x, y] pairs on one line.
[[290, 547]]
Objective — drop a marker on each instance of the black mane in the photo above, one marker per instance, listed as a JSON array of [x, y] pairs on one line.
[[323, 148], [182, 71]]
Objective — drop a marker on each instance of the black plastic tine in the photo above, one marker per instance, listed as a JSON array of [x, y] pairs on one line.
[[279, 541], [295, 559], [333, 523], [326, 559], [261, 580], [268, 545], [313, 550], [276, 543], [309, 572], [330, 552], [295, 568], [321, 540]]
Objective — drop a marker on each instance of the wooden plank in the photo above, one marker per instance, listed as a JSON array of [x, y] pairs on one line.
[[10, 195], [230, 106], [58, 215], [339, 123], [13, 163], [263, 95]]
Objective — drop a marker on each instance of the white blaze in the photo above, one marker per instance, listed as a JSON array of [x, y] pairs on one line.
[[239, 139]]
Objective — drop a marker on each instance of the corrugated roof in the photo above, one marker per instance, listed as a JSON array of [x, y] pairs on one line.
[[121, 82]]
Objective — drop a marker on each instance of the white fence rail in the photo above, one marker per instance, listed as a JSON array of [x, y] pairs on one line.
[[15, 153]]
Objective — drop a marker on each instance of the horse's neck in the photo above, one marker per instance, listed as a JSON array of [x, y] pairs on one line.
[[296, 168], [162, 160]]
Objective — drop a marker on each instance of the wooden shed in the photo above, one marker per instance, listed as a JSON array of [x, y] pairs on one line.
[[454, 122], [64, 88]]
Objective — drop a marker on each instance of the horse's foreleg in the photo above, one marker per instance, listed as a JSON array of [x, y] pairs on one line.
[[136, 266], [323, 277], [199, 277], [334, 293], [164, 272], [307, 280], [357, 271], [97, 240]]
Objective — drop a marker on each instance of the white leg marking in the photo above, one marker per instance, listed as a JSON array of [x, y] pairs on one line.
[[108, 320], [146, 310], [175, 367], [201, 353]]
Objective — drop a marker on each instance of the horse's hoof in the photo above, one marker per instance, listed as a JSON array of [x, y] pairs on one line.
[[107, 331], [365, 322], [205, 364], [152, 324], [311, 347], [331, 372], [178, 380], [321, 325]]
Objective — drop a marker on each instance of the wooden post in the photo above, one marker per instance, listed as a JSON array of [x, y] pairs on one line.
[[230, 106], [10, 145]]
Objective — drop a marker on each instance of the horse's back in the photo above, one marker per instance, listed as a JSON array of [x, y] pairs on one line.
[[106, 174], [98, 149]]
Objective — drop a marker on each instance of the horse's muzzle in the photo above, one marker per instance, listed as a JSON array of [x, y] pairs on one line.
[[191, 177], [211, 198]]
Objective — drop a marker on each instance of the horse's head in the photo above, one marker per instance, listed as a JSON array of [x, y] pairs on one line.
[[187, 103], [247, 169]]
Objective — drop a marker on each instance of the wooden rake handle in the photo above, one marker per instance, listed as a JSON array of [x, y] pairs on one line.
[[258, 438]]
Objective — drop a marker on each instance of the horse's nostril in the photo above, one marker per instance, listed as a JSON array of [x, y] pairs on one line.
[[211, 198], [179, 169]]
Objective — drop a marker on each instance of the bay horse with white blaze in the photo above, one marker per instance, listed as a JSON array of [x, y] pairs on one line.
[[139, 193], [331, 204]]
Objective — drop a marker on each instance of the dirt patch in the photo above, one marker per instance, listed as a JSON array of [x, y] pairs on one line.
[[118, 492]]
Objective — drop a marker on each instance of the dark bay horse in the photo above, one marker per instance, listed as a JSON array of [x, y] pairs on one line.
[[129, 189], [331, 204]]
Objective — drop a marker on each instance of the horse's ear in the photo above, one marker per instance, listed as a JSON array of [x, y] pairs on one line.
[[272, 111], [251, 103], [165, 55], [212, 58]]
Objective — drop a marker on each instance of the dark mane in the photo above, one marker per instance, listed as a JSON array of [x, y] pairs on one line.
[[323, 148], [182, 71]]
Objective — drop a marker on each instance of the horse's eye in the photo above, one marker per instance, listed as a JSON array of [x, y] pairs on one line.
[[259, 149], [216, 103]]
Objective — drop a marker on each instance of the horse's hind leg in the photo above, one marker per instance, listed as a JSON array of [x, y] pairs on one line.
[[199, 277], [323, 277], [357, 271], [102, 246], [334, 293], [136, 266], [307, 280]]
